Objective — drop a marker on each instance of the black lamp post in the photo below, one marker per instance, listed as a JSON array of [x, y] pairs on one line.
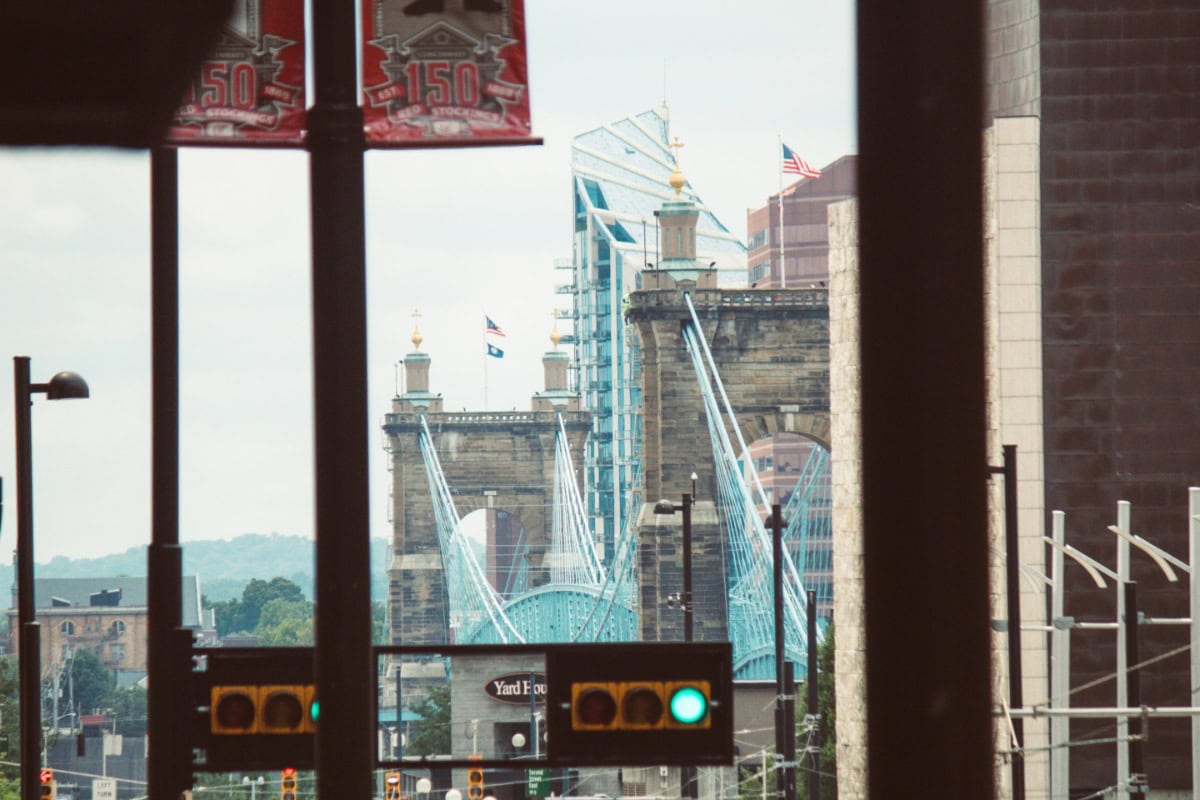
[[63, 386], [687, 775]]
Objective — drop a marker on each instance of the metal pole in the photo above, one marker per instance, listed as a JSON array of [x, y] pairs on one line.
[[814, 772], [164, 556], [688, 630], [1013, 590], [789, 731], [1122, 654], [1133, 683], [687, 775], [1194, 603], [1060, 668], [29, 635], [343, 634], [781, 725]]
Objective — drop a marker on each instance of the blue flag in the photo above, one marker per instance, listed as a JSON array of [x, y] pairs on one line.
[[495, 352]]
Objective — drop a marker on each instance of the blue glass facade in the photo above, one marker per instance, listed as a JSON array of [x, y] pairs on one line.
[[619, 178]]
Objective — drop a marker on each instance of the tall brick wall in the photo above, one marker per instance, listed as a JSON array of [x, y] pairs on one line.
[[511, 454]]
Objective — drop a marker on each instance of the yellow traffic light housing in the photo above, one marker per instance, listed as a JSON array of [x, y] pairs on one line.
[[282, 709], [254, 709], [287, 784], [475, 779], [593, 706], [234, 710], [640, 704]]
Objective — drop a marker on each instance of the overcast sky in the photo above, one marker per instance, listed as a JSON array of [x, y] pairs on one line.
[[452, 232]]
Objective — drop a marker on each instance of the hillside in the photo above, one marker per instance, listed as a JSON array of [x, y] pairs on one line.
[[224, 566]]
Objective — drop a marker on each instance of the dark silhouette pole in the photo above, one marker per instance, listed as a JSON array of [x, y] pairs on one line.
[[62, 386], [167, 769], [344, 671]]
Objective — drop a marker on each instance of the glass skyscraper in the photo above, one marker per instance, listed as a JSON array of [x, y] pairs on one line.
[[619, 177]]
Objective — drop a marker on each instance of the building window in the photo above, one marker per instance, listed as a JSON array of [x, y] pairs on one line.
[[118, 627], [118, 652], [67, 628]]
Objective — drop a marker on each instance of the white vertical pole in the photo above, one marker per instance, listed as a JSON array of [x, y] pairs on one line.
[[782, 257], [1122, 665], [1060, 668], [485, 362], [1194, 607]]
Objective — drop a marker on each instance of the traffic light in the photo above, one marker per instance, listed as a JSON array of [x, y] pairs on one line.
[[640, 704], [47, 790], [256, 708], [391, 786], [475, 779], [287, 784], [262, 710]]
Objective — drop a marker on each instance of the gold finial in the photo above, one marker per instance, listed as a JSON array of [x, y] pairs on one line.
[[676, 180], [417, 338], [555, 336]]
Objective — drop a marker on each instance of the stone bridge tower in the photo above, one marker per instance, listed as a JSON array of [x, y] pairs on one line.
[[500, 460], [772, 352]]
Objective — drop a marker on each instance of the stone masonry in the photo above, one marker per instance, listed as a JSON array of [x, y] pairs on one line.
[[510, 454], [772, 352]]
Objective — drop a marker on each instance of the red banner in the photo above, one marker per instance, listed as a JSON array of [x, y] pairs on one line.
[[439, 71], [250, 89]]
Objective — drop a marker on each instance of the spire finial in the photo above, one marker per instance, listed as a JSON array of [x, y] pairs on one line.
[[677, 180], [417, 338], [555, 336]]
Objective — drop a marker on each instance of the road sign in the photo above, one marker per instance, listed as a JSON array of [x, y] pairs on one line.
[[539, 783], [104, 789]]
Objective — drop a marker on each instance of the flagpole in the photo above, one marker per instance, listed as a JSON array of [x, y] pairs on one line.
[[485, 362], [782, 250]]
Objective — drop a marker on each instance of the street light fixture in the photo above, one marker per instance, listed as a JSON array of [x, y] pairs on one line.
[[63, 386], [667, 507]]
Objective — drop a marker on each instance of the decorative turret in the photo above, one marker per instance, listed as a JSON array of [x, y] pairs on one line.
[[417, 396], [557, 396], [677, 222]]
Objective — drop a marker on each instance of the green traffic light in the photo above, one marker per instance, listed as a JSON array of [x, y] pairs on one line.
[[688, 705], [314, 710]]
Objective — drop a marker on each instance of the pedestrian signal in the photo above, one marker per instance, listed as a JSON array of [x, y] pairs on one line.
[[47, 789], [391, 786]]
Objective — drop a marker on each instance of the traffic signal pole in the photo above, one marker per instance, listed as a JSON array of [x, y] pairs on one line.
[[164, 558], [343, 603]]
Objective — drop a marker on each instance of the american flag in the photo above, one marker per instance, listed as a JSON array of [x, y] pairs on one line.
[[492, 327], [796, 165]]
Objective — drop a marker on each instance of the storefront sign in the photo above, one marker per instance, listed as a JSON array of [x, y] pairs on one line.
[[514, 687]]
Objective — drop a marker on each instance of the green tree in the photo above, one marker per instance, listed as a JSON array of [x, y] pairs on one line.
[[379, 632], [242, 615], [93, 682], [432, 735], [285, 623], [10, 742]]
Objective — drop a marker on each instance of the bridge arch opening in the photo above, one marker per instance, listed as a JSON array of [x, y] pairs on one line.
[[794, 471], [501, 546]]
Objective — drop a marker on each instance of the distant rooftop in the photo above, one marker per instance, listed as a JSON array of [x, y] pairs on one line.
[[79, 592]]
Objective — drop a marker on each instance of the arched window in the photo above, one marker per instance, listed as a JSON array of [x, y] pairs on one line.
[[118, 627], [67, 628]]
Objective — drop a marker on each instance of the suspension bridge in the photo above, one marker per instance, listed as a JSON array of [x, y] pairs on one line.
[[572, 595]]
